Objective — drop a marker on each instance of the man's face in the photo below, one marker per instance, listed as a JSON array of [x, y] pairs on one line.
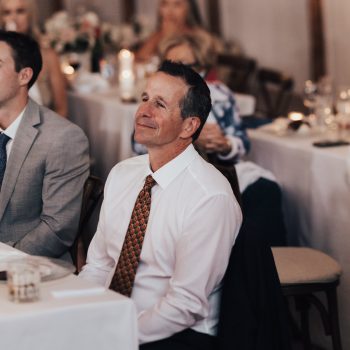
[[158, 119], [9, 78]]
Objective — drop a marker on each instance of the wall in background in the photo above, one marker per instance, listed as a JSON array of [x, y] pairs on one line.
[[46, 8], [337, 29], [276, 33], [272, 31]]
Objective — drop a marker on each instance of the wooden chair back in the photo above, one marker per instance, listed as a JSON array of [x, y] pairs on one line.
[[274, 92], [239, 72], [93, 193]]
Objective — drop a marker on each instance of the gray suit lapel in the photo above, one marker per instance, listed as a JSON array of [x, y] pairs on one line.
[[22, 143]]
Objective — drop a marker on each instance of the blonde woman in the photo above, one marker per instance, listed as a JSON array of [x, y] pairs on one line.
[[50, 89]]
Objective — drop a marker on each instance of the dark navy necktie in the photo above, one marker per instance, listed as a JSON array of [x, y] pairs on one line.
[[3, 157]]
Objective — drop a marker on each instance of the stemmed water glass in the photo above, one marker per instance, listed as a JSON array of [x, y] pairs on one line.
[[310, 96], [343, 111]]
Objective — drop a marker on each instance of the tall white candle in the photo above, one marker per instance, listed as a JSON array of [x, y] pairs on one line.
[[127, 85], [126, 60], [126, 75]]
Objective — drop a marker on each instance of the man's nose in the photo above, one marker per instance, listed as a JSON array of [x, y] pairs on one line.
[[145, 109]]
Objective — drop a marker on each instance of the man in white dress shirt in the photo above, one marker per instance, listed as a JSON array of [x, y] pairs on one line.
[[193, 221]]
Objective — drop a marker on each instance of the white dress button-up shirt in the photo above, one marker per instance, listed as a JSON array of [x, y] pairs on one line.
[[193, 223]]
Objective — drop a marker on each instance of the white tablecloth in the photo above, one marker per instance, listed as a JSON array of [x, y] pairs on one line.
[[103, 320], [316, 192]]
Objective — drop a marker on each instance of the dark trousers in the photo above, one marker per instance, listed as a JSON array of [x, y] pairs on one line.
[[185, 340]]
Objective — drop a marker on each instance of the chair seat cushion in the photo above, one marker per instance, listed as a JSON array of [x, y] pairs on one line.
[[298, 265]]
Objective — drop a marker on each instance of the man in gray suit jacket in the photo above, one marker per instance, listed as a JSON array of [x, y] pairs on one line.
[[46, 159]]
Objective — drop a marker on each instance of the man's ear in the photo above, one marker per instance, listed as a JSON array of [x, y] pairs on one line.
[[189, 127], [25, 75]]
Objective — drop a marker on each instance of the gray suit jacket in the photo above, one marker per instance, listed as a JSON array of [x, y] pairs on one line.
[[41, 193]]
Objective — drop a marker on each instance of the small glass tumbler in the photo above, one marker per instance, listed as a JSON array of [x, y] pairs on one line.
[[23, 281]]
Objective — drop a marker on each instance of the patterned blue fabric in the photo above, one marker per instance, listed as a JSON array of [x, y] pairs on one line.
[[224, 112], [3, 157]]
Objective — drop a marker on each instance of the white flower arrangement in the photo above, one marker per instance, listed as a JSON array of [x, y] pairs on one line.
[[67, 34]]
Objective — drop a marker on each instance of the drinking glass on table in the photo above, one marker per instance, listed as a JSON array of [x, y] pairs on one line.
[[343, 111], [318, 99], [310, 96], [70, 64], [23, 281], [74, 60], [108, 68], [325, 117]]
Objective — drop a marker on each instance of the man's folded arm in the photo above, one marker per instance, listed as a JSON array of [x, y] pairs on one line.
[[67, 168]]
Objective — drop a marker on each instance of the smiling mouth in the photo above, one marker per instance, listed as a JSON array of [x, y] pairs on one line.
[[146, 125]]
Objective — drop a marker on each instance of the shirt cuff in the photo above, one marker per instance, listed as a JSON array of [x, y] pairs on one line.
[[236, 148]]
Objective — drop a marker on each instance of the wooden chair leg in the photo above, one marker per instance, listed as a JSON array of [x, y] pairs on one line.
[[303, 306], [334, 318], [294, 327]]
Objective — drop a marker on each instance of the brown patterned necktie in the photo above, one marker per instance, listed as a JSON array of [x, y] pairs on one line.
[[124, 275]]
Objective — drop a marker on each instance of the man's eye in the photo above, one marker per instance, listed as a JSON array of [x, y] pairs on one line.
[[160, 104]]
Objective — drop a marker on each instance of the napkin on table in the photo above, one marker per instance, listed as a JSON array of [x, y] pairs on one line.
[[70, 293]]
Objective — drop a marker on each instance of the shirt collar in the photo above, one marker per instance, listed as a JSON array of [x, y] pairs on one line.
[[168, 172], [11, 130]]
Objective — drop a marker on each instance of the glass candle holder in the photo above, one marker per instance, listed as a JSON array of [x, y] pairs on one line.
[[23, 282]]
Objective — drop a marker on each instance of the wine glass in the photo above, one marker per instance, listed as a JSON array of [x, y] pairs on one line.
[[74, 60], [343, 110], [310, 96], [70, 65], [343, 100], [108, 68]]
